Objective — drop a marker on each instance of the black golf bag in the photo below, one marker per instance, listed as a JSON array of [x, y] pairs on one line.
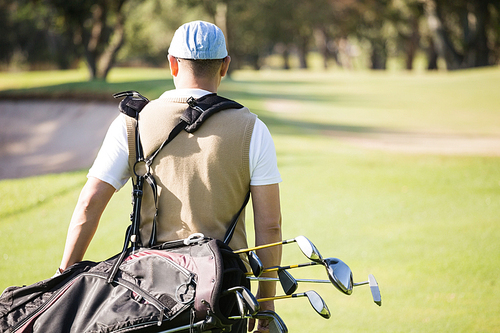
[[174, 286], [155, 289]]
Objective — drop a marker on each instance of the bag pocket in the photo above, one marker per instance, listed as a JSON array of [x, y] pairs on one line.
[[147, 291]]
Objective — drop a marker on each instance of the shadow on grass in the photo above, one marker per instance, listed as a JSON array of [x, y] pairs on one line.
[[89, 90]]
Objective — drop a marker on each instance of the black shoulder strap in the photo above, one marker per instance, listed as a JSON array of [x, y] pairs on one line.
[[202, 108], [232, 226], [198, 111]]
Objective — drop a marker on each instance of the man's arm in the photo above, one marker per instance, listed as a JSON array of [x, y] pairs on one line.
[[93, 199], [267, 223]]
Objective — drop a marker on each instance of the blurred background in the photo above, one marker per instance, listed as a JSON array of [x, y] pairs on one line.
[[350, 34]]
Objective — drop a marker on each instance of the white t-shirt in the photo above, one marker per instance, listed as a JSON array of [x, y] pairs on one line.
[[111, 163]]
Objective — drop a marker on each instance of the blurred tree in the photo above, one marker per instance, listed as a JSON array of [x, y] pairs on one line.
[[97, 27], [148, 39], [464, 32], [31, 37], [406, 20]]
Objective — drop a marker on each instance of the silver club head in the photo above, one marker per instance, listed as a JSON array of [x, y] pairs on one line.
[[318, 303], [339, 274], [249, 301], [377, 298], [276, 324], [308, 249]]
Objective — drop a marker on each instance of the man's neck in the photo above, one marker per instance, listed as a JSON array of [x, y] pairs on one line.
[[194, 83]]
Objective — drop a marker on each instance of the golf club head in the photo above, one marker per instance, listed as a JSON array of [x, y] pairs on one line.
[[308, 249], [276, 324], [251, 304], [255, 263], [339, 274], [318, 303], [241, 303], [288, 282], [377, 298]]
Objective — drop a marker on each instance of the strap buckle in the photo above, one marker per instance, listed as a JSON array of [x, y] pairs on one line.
[[194, 238]]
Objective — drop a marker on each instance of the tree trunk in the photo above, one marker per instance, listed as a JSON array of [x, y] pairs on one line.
[[379, 55], [412, 43], [432, 57], [286, 58], [107, 58], [91, 48], [481, 42], [220, 20], [303, 50], [442, 43], [322, 41]]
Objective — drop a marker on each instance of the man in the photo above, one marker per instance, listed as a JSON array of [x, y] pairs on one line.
[[202, 177]]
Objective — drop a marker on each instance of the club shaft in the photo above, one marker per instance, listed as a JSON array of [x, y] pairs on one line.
[[301, 280], [265, 246], [280, 268], [280, 297]]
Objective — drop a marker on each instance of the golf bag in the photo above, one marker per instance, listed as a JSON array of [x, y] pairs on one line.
[[145, 288], [154, 289]]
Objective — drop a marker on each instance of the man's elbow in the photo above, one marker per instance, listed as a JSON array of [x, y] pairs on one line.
[[270, 230]]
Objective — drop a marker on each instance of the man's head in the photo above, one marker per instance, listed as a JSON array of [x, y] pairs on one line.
[[198, 53]]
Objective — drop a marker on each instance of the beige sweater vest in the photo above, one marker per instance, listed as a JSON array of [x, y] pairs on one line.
[[202, 178]]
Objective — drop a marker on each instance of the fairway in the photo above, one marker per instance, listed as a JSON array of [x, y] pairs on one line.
[[396, 174]]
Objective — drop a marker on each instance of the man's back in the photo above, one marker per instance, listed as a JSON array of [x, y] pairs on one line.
[[202, 177]]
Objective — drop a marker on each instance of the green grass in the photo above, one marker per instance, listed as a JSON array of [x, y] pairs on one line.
[[427, 226]]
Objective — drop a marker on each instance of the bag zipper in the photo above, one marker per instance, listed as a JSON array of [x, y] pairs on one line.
[[138, 290], [187, 273]]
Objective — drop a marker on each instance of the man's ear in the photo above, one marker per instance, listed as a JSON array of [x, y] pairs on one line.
[[225, 66], [174, 65]]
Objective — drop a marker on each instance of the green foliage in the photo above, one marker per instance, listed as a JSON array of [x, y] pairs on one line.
[[58, 33], [147, 41]]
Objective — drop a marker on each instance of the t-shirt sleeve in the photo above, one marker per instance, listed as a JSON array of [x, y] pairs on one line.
[[111, 164], [263, 162]]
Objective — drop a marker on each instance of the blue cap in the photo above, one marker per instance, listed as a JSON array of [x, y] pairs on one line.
[[198, 40]]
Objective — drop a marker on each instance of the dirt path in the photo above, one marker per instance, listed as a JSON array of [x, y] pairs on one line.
[[39, 137], [405, 142], [425, 143]]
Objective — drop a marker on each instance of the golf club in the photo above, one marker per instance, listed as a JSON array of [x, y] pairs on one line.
[[374, 288], [377, 298], [314, 298], [305, 245], [240, 302], [339, 273], [276, 324], [255, 263], [250, 302], [288, 282]]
